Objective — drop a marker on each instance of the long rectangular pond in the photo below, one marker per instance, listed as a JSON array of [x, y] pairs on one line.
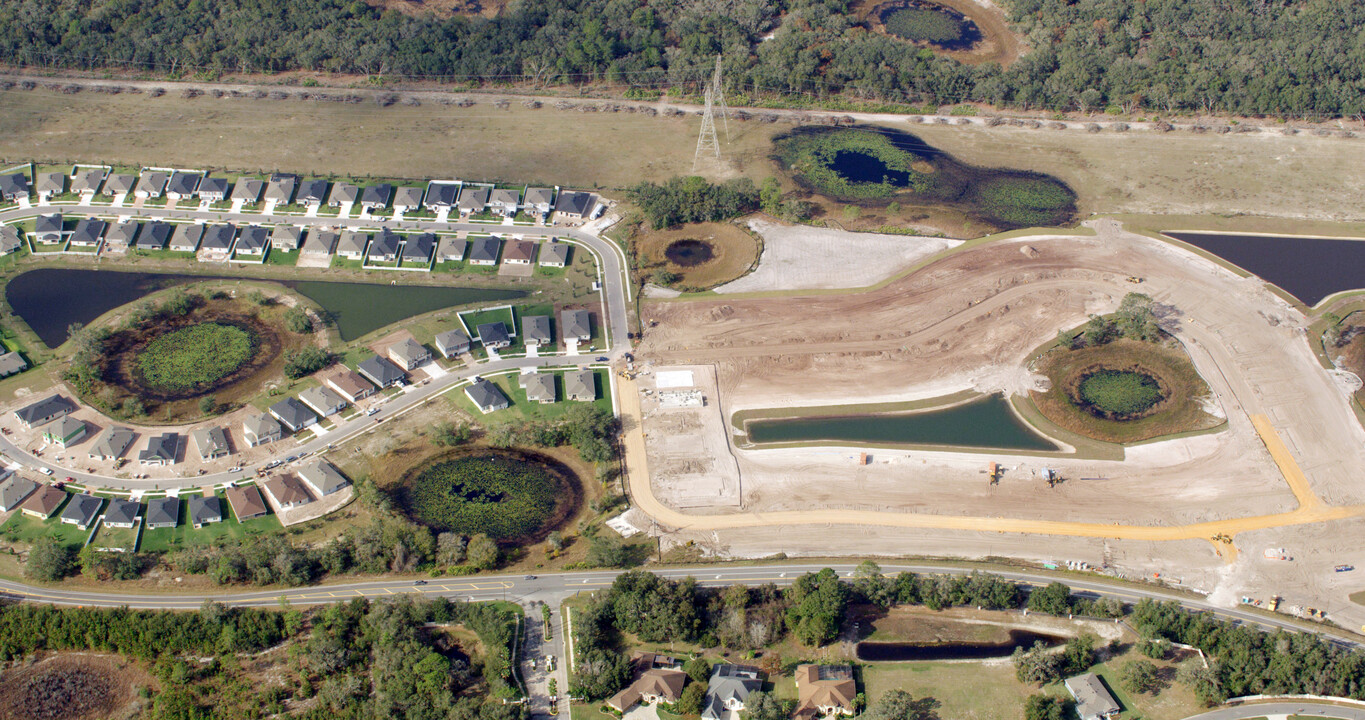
[[988, 423], [1309, 268], [50, 300]]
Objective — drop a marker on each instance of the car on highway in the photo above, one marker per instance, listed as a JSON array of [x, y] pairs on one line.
[[371, 411], [420, 582], [45, 471], [529, 577], [273, 463], [1344, 568]]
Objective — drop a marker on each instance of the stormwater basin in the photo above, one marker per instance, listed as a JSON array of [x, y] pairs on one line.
[[1309, 268], [910, 652]]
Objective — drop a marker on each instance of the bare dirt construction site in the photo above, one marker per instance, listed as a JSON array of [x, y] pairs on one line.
[[971, 321]]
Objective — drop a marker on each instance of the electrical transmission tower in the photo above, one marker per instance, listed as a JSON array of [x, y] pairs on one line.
[[707, 142]]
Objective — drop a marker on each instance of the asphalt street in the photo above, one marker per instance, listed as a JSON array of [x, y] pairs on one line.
[[615, 295], [1283, 709]]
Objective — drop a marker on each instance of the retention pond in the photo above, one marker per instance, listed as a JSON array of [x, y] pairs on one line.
[[905, 652], [985, 423], [50, 300], [1309, 268]]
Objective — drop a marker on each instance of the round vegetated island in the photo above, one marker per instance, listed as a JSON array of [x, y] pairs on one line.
[[875, 167], [515, 497], [927, 23], [1124, 391]]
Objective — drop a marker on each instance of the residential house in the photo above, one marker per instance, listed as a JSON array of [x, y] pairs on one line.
[[384, 248], [573, 205], [580, 385], [575, 325], [12, 363], [248, 190], [656, 678], [118, 184], [418, 248], [554, 254], [43, 503], [89, 233], [505, 201], [183, 185], [351, 385], [825, 691], [13, 187], [154, 236], [728, 689], [161, 450], [352, 245], [539, 201], [287, 492], [323, 400], [292, 414], [88, 180], [519, 252], [214, 190], [211, 442], [64, 431], [281, 188], [312, 193], [151, 184], [204, 509], [112, 443], [252, 240], [486, 396], [246, 502], [261, 429], [323, 477], [473, 199], [319, 244], [381, 371], [539, 387], [162, 512], [14, 490], [441, 195], [407, 199], [122, 514], [47, 229], [287, 238], [408, 353], [10, 241], [493, 335], [343, 193], [451, 249], [1093, 699], [123, 235], [44, 411], [186, 237], [535, 330], [81, 511], [376, 197], [484, 250], [50, 184], [452, 343], [218, 238]]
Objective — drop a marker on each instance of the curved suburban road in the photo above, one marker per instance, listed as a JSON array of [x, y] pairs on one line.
[[1306, 708], [615, 295]]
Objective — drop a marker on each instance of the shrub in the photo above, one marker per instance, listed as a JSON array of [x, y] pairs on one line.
[[195, 356], [306, 361]]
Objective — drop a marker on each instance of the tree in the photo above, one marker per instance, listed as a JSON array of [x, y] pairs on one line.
[[450, 548], [1139, 676], [900, 705], [555, 540], [257, 297], [482, 552], [818, 601], [872, 586], [306, 361], [770, 196], [449, 434], [297, 321], [1055, 599], [699, 669], [691, 700], [1135, 320], [133, 407], [178, 303], [1154, 648], [208, 404], [1037, 665], [1078, 654], [765, 706], [605, 550], [1047, 707], [49, 560], [665, 277], [600, 673]]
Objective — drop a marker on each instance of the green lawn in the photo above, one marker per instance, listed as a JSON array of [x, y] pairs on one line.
[[163, 254], [23, 528], [184, 535], [473, 319], [116, 538], [451, 266], [377, 264], [523, 408], [423, 265], [965, 690], [341, 263], [282, 257]]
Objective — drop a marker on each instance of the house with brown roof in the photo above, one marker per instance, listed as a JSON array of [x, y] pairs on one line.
[[287, 491], [657, 678], [825, 691], [351, 385], [43, 503], [519, 252], [246, 502]]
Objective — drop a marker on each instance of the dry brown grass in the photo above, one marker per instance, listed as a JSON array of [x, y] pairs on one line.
[[1180, 412], [71, 686], [735, 252]]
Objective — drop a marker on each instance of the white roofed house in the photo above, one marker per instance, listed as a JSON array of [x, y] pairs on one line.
[[505, 201], [323, 400], [323, 477]]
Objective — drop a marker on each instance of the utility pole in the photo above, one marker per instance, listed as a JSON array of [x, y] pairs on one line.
[[707, 142]]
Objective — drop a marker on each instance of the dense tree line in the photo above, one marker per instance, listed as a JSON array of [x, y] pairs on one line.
[[692, 199], [1283, 57], [591, 430], [26, 628]]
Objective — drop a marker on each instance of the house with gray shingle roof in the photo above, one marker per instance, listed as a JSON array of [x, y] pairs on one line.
[[384, 248], [211, 442], [441, 195], [65, 431], [47, 229], [121, 235], [112, 443], [376, 197], [539, 387], [155, 235], [407, 198], [118, 184], [261, 429], [473, 199], [81, 511], [312, 193], [161, 450], [186, 237], [150, 184], [580, 385], [1093, 699], [14, 490], [13, 186], [493, 335], [539, 200], [162, 512], [554, 254], [352, 245], [323, 477], [286, 238], [576, 325], [87, 181], [44, 411], [218, 238], [486, 396], [484, 250], [535, 330], [89, 232], [248, 190], [10, 241], [12, 363], [418, 248], [323, 400], [452, 343], [408, 353], [292, 414], [252, 241], [319, 243], [573, 205], [50, 184], [343, 193], [381, 371], [183, 185], [121, 513], [451, 249], [281, 188], [204, 510], [505, 201], [213, 189], [728, 689]]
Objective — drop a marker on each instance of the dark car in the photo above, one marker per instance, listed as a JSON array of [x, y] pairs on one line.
[[603, 359], [420, 582]]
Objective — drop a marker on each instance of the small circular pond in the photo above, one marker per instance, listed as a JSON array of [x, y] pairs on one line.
[[514, 497], [864, 168], [689, 252], [181, 358], [1119, 394], [924, 22]]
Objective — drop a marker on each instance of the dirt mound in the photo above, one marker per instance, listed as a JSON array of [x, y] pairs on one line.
[[69, 687]]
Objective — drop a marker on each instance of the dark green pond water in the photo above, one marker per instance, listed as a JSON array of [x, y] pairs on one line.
[[51, 299], [984, 423]]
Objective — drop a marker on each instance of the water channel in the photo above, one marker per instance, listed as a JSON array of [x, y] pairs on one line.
[[985, 423], [906, 652], [51, 299], [1309, 268]]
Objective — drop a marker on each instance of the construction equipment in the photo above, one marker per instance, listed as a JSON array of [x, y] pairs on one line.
[[1277, 554], [1274, 603], [1134, 279], [1344, 568], [994, 471]]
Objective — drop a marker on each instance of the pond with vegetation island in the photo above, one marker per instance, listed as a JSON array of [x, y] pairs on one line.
[[1118, 394], [1308, 268], [689, 252], [988, 422], [195, 356], [923, 22], [50, 300], [512, 496], [880, 166]]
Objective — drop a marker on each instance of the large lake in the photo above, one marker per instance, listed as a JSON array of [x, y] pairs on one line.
[[1309, 268], [50, 300]]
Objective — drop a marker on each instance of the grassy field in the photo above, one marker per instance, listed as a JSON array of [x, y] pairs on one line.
[[116, 538], [523, 409], [26, 529], [184, 535]]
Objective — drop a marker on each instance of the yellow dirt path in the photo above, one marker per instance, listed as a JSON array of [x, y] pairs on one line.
[[1311, 509]]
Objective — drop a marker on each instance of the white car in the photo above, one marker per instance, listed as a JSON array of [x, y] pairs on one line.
[[45, 471]]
